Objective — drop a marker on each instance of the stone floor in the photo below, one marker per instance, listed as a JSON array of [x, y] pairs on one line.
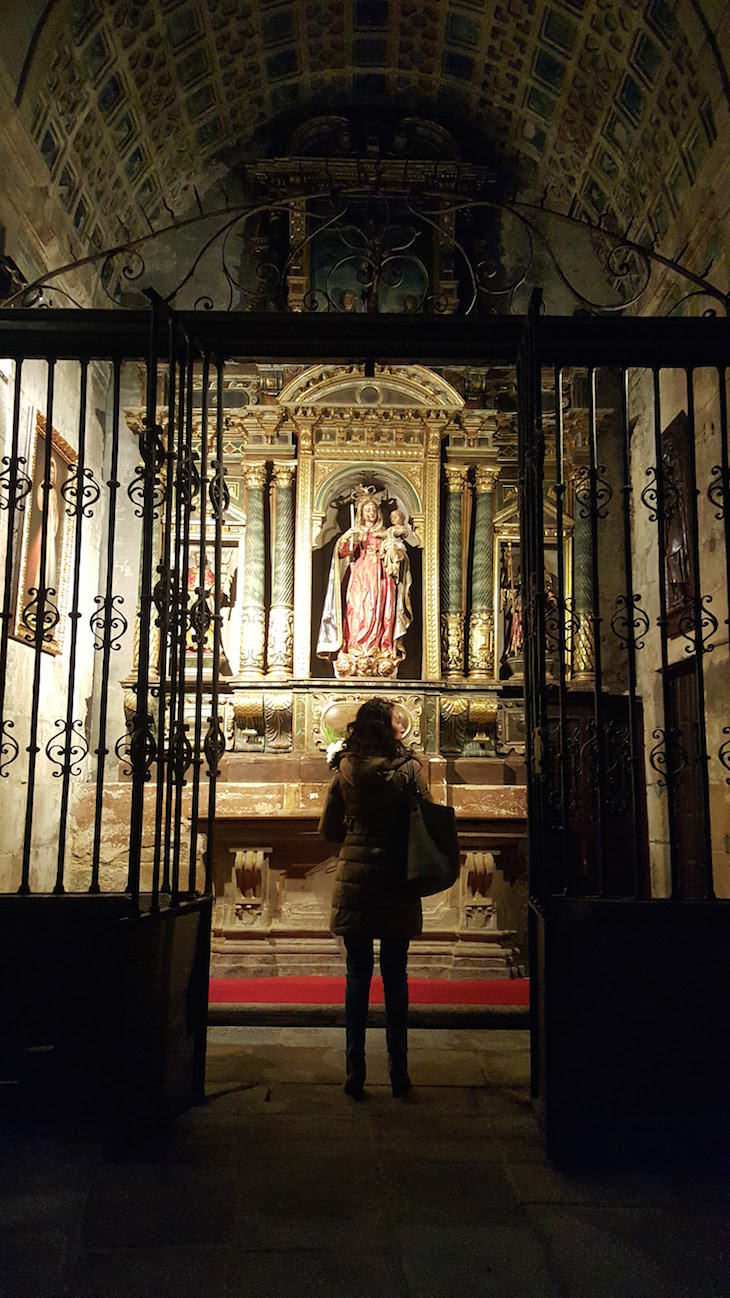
[[280, 1186]]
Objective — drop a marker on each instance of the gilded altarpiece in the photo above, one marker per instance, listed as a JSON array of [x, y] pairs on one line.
[[317, 459]]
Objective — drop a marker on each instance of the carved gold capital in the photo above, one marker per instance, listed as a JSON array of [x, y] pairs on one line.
[[486, 477], [481, 645], [254, 475], [452, 644], [253, 641], [455, 477], [282, 475]]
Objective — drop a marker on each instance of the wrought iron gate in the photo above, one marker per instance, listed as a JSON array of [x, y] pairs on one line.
[[632, 604], [109, 694], [69, 516], [627, 697], [626, 646]]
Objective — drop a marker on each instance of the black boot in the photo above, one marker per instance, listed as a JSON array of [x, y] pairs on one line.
[[400, 1082], [393, 958], [357, 991], [355, 1079]]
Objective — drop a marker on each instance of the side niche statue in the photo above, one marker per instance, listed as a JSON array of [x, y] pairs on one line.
[[367, 608]]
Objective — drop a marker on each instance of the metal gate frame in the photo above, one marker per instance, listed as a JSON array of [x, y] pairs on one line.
[[210, 339]]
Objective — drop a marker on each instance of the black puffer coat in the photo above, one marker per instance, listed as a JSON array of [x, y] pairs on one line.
[[367, 811]]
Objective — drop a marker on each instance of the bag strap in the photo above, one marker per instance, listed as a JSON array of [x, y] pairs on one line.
[[412, 785]]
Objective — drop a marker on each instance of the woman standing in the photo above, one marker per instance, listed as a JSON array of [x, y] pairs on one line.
[[367, 811]]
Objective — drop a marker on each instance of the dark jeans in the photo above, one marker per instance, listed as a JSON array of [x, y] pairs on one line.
[[393, 961]]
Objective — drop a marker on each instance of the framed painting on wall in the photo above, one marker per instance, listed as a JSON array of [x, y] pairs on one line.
[[59, 541]]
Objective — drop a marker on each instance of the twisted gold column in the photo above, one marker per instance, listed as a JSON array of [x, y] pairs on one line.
[[253, 614], [280, 642]]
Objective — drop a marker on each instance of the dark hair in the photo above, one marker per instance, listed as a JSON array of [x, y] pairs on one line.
[[371, 734]]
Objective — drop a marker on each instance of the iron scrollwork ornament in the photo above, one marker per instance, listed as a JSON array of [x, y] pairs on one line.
[[667, 757], [121, 752], [214, 745], [187, 478], [218, 491], [180, 752], [724, 752], [9, 747], [630, 623], [708, 626], [649, 494], [80, 495], [163, 597], [718, 491], [136, 492], [591, 486], [555, 612], [152, 450], [200, 616], [67, 749], [40, 603], [108, 623], [142, 746], [23, 484]]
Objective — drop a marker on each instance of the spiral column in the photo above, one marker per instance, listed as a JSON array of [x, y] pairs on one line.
[[253, 613], [280, 640], [452, 602], [481, 619]]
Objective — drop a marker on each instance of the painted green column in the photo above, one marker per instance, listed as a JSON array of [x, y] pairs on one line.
[[452, 600], [481, 619]]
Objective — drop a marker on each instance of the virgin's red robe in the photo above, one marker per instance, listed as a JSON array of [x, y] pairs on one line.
[[370, 599]]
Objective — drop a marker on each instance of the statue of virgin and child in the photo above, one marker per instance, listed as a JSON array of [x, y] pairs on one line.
[[367, 608]]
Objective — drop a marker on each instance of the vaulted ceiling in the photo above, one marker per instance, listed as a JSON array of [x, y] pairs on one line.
[[604, 108]]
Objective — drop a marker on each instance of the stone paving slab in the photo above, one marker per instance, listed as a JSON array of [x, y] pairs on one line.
[[279, 1185]]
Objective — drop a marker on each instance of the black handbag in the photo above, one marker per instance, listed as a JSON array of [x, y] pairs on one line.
[[433, 845]]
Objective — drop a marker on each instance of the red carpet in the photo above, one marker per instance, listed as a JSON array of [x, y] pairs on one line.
[[331, 991]]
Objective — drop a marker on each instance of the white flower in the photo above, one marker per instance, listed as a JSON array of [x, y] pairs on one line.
[[333, 748]]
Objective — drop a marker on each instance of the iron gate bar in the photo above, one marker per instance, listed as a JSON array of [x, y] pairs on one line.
[[74, 753], [665, 734], [725, 471], [8, 742], [597, 774], [174, 528], [635, 749], [197, 633], [165, 589], [701, 642], [142, 745], [724, 750], [41, 602], [109, 622], [215, 742], [181, 751], [563, 613], [531, 451]]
